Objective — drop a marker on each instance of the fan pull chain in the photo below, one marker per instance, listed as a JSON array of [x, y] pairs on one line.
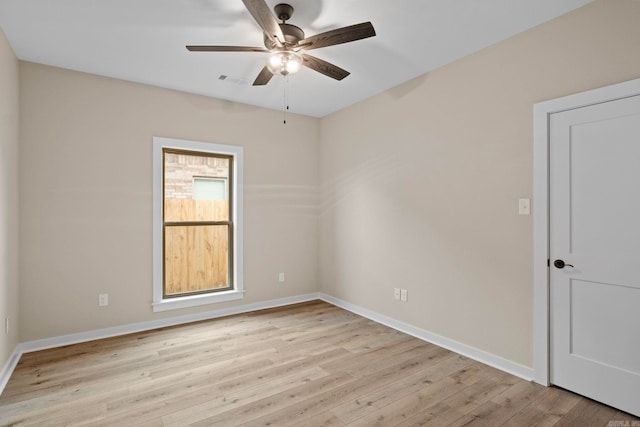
[[285, 107]]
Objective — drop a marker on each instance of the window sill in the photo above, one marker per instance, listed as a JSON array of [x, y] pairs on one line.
[[196, 300]]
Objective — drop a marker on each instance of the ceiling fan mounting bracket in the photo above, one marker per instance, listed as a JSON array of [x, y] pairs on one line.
[[283, 11]]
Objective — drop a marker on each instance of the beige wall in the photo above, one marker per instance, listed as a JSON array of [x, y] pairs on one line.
[[420, 185], [86, 190], [8, 199]]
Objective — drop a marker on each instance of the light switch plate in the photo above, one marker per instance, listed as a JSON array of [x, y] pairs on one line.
[[524, 206]]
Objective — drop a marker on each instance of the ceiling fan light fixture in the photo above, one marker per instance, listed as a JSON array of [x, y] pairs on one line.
[[284, 62]]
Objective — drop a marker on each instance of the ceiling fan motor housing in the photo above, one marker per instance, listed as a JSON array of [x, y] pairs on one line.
[[292, 35]]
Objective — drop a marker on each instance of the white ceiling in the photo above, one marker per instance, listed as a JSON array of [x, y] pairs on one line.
[[144, 41]]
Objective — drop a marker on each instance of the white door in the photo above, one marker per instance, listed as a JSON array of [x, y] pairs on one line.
[[594, 223]]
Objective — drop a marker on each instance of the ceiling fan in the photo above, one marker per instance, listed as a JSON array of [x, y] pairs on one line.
[[285, 43]]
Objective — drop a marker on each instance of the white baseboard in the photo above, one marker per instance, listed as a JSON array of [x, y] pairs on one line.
[[497, 362], [463, 349], [46, 343], [8, 367], [59, 341]]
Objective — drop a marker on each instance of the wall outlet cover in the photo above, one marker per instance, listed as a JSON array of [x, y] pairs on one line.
[[103, 300]]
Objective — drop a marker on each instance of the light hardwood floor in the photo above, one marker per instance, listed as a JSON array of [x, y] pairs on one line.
[[309, 364]]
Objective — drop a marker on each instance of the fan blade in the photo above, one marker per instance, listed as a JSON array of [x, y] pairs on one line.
[[225, 49], [324, 67], [263, 78], [265, 19], [338, 36]]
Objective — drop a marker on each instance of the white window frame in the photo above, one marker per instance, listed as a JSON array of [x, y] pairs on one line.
[[164, 304]]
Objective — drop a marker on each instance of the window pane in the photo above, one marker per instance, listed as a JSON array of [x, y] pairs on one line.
[[181, 172], [209, 189], [196, 259]]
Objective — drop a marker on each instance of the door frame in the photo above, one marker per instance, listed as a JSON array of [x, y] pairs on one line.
[[541, 116]]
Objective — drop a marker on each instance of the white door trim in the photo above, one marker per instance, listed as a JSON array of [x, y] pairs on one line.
[[541, 114]]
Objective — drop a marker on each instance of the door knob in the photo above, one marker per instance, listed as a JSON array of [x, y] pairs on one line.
[[561, 264]]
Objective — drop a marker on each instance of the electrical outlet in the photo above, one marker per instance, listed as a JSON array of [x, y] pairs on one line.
[[281, 277], [103, 300], [396, 294], [403, 295]]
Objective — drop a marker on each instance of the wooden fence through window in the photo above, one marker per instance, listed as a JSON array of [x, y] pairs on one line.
[[196, 256]]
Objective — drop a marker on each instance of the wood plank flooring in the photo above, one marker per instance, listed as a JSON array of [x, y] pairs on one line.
[[309, 364]]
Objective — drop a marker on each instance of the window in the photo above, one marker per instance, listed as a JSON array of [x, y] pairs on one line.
[[197, 223]]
